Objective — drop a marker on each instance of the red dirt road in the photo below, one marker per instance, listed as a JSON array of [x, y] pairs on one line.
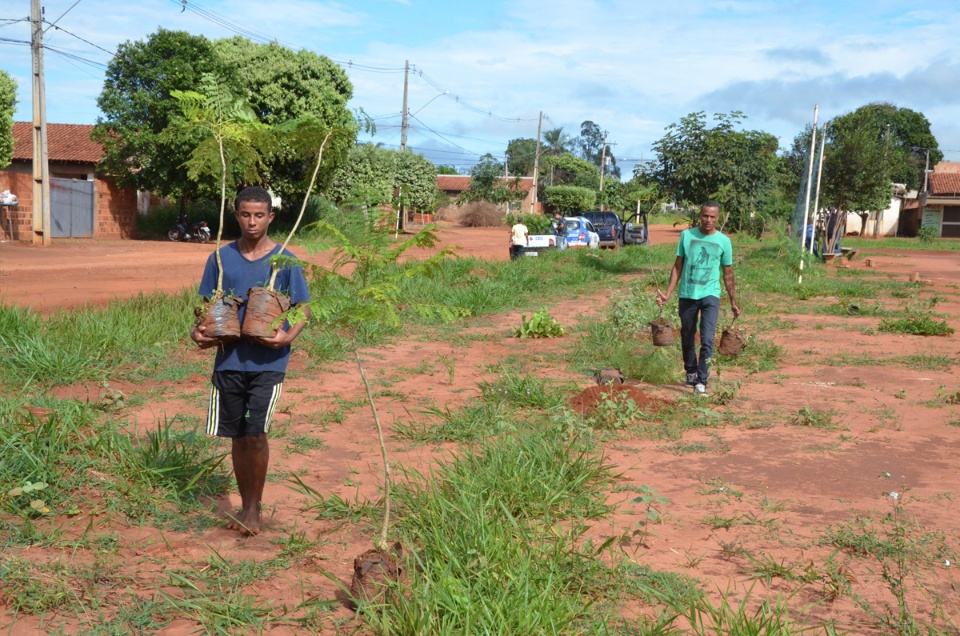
[[73, 272]]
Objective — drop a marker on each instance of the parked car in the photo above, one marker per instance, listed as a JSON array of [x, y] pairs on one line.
[[580, 232], [608, 226], [635, 229]]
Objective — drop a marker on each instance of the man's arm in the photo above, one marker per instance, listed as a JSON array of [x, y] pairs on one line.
[[663, 297], [731, 285]]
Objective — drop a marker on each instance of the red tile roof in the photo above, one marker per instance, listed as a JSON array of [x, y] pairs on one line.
[[944, 183], [459, 183], [452, 183], [947, 166], [65, 142]]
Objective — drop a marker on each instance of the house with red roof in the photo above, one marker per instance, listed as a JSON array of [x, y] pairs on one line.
[[453, 185], [83, 202], [942, 209]]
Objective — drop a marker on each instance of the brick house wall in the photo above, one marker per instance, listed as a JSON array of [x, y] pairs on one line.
[[72, 156]]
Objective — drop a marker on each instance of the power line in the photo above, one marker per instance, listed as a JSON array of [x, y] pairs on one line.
[[61, 16], [96, 46], [445, 139], [99, 65], [456, 98]]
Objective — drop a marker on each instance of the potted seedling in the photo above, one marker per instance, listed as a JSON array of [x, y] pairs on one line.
[[660, 329], [363, 284], [228, 127], [265, 305]]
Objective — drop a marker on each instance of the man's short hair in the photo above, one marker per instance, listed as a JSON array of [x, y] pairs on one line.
[[709, 203], [519, 219], [254, 194]]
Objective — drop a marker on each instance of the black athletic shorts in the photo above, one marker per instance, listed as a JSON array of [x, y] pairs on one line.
[[242, 404]]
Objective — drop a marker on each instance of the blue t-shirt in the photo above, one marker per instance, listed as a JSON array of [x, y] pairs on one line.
[[703, 256], [240, 274]]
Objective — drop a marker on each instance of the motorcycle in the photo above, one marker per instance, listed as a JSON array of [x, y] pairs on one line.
[[198, 232]]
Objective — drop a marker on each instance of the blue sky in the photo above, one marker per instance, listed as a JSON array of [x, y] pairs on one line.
[[632, 66]]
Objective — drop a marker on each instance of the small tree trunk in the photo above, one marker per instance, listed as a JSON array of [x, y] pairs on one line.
[[382, 543]]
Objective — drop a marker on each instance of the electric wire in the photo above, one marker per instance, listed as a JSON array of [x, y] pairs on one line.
[[99, 65], [445, 139], [54, 23], [96, 46]]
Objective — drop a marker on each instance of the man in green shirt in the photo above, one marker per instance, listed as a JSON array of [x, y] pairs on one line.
[[702, 253]]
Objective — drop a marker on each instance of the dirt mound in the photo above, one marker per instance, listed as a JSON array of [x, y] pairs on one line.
[[586, 401]]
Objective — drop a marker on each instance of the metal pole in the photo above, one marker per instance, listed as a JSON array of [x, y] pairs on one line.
[[403, 120], [806, 203], [816, 198], [41, 166], [603, 161], [536, 166]]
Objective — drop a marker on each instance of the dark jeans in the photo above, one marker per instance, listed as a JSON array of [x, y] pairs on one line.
[[708, 310], [516, 251]]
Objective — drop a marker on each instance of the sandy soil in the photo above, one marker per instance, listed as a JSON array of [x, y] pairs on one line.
[[779, 487]]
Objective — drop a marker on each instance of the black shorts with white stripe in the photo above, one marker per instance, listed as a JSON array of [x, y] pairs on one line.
[[242, 404]]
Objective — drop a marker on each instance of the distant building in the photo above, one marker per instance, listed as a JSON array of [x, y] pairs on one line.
[[83, 202], [453, 185], [942, 209]]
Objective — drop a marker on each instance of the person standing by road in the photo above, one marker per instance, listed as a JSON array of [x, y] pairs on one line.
[[519, 239], [560, 230], [248, 376], [703, 253]]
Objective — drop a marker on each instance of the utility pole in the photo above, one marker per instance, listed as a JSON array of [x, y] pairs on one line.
[[403, 140], [536, 166], [41, 166], [603, 164], [806, 203], [403, 121]]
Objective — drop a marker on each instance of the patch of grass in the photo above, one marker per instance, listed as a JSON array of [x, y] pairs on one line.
[[922, 325], [303, 444], [815, 418], [334, 506], [520, 391], [919, 361], [468, 424]]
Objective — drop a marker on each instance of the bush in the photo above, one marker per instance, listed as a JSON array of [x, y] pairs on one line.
[[481, 214], [922, 325], [926, 234], [536, 223], [570, 199]]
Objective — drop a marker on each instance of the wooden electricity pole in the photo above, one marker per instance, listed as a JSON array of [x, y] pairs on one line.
[[403, 121], [41, 166]]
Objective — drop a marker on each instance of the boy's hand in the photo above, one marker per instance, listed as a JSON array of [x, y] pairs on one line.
[[198, 335], [279, 339]]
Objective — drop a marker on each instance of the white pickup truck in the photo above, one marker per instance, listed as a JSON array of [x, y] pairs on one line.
[[539, 243]]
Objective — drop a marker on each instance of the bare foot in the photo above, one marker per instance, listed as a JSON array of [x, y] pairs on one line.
[[247, 524]]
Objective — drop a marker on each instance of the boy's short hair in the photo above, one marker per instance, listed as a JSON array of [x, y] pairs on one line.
[[710, 203], [254, 194]]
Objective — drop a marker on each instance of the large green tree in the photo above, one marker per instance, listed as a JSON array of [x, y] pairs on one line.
[[566, 169], [590, 145], [137, 108], [903, 134], [488, 184], [521, 154], [555, 142], [281, 85], [8, 105], [372, 176], [696, 162]]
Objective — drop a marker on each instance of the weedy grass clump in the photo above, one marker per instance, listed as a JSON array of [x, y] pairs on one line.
[[918, 325]]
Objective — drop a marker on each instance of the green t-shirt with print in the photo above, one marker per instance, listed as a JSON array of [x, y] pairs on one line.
[[703, 255]]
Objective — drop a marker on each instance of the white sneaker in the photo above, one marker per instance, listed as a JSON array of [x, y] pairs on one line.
[[700, 389]]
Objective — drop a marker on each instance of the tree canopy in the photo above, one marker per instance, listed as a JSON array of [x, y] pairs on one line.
[[137, 107], [566, 169], [8, 105], [487, 184], [570, 199], [521, 155], [590, 145], [555, 142], [695, 162], [371, 175], [279, 83]]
